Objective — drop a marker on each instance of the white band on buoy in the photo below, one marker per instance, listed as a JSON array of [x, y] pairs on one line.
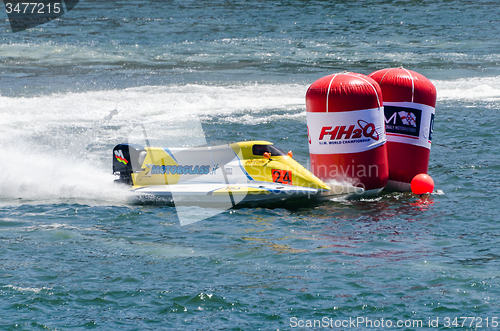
[[409, 123], [346, 132]]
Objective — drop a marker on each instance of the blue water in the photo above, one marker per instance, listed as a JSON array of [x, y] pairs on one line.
[[76, 254]]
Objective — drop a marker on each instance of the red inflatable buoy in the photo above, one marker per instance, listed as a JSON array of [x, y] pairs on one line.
[[345, 122], [409, 107], [422, 184]]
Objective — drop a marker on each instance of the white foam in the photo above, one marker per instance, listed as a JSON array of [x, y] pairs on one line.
[[472, 89], [147, 105], [30, 177], [58, 147], [256, 119], [27, 289]]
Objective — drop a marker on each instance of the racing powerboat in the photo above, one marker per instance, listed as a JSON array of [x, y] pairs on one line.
[[249, 172]]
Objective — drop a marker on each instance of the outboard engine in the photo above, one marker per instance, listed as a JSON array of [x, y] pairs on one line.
[[127, 159]]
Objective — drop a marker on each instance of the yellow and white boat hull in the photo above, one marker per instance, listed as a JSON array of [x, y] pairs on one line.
[[246, 172]]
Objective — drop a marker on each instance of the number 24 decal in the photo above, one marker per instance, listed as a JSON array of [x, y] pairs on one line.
[[282, 176]]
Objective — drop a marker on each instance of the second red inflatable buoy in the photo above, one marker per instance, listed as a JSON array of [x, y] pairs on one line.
[[409, 106], [345, 121]]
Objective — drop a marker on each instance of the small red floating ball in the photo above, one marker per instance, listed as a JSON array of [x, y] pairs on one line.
[[422, 184]]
